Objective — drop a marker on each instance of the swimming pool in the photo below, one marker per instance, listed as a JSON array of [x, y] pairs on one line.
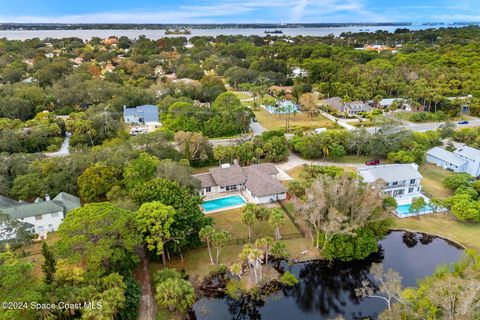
[[223, 203], [404, 210]]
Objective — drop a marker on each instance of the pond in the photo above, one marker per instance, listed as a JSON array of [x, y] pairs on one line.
[[326, 291]]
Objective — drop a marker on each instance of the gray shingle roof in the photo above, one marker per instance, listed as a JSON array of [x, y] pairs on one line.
[[69, 201], [206, 179], [228, 176], [390, 172], [261, 184], [446, 156], [257, 178], [335, 102]]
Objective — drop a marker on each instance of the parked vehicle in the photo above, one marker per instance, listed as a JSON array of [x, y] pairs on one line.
[[463, 122], [372, 162], [254, 119]]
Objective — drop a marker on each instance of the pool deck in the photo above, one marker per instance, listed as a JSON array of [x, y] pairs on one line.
[[404, 200]]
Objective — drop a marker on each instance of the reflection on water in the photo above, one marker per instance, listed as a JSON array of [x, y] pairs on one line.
[[327, 290]]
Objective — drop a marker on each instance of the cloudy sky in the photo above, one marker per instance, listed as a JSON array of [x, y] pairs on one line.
[[223, 11]]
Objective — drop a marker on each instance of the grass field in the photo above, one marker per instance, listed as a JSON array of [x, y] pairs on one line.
[[197, 264], [466, 234], [300, 120], [230, 221], [432, 180], [241, 95]]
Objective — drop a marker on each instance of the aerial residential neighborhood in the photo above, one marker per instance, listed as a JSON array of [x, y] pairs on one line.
[[240, 160]]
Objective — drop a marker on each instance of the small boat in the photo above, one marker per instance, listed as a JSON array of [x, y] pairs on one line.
[[274, 31]]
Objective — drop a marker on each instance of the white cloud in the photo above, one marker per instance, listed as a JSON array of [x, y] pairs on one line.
[[208, 11]]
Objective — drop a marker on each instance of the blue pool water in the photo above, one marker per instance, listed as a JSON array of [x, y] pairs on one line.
[[221, 203], [404, 210]]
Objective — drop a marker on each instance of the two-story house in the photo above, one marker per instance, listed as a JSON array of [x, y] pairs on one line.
[[42, 216], [400, 179]]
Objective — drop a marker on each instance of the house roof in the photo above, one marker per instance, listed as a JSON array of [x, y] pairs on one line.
[[334, 102], [261, 183], [69, 201], [206, 179], [468, 152], [7, 202], [64, 202], [33, 209], [257, 178], [446, 156], [390, 172], [148, 112], [356, 105]]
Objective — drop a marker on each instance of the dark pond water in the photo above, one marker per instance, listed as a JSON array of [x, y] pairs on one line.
[[327, 291]]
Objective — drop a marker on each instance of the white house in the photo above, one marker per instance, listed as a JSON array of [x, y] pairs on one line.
[[258, 182], [464, 159], [400, 179], [42, 216]]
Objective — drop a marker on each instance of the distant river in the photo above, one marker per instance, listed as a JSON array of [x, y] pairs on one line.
[[155, 34]]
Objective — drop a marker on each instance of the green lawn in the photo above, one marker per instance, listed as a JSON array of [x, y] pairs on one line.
[[466, 234], [230, 221], [197, 264], [300, 120], [432, 180], [241, 95]]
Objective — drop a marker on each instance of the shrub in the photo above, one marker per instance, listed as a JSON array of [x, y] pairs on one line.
[[288, 279]]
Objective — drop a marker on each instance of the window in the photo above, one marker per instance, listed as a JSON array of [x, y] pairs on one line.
[[50, 227], [394, 183], [231, 187], [410, 190], [55, 215], [412, 181], [40, 229], [39, 217], [208, 189]]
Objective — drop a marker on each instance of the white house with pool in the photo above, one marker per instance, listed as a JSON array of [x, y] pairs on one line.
[[231, 185], [402, 181]]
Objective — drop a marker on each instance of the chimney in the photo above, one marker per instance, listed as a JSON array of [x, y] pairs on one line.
[[47, 197]]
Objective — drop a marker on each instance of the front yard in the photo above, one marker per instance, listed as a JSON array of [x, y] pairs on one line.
[[432, 180], [300, 120]]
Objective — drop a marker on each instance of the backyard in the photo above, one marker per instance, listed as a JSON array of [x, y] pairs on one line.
[[300, 120], [432, 181], [442, 225]]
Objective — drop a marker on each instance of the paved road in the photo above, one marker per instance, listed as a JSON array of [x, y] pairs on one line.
[[338, 121], [64, 149], [255, 127], [421, 127], [295, 161]]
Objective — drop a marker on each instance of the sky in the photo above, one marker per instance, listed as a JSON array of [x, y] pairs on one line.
[[238, 11]]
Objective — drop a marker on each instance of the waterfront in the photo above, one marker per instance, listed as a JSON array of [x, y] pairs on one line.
[[155, 34], [326, 291]]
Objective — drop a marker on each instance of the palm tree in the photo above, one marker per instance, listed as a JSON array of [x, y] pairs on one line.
[[248, 217], [255, 258], [220, 239], [276, 220], [205, 235], [265, 244], [236, 270]]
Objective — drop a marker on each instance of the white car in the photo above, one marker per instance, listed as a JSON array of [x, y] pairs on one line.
[[320, 130]]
